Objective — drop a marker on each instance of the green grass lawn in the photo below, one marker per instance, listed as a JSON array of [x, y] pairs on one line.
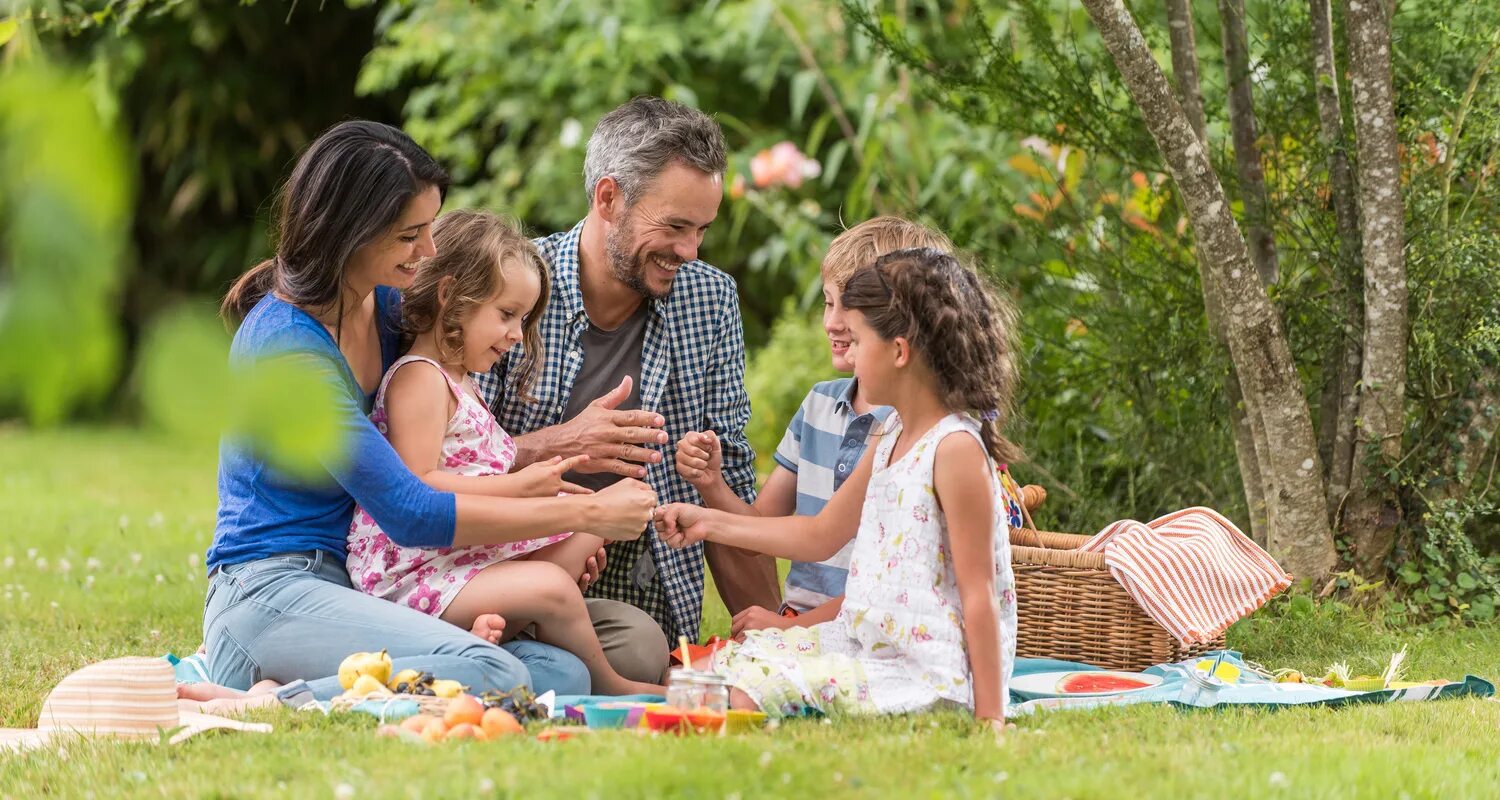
[[102, 534]]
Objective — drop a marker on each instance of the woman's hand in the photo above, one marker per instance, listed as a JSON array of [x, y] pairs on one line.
[[621, 512], [680, 524], [545, 478], [700, 459]]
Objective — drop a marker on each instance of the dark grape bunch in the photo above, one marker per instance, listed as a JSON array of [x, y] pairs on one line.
[[518, 702], [421, 685]]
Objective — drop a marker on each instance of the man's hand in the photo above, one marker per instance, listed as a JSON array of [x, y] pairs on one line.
[[756, 618], [610, 438], [621, 512], [700, 459], [592, 569], [680, 524], [545, 478]]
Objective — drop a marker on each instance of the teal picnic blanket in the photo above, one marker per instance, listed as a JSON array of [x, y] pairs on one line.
[[1251, 689]]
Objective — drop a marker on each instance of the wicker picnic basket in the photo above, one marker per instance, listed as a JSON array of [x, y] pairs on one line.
[[1070, 607]]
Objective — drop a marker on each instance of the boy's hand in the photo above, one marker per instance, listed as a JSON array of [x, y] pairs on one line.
[[700, 459], [545, 478], [756, 618], [680, 524]]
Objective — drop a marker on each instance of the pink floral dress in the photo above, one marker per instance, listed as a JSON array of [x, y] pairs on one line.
[[428, 579]]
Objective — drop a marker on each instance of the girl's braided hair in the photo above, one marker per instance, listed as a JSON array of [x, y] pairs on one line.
[[964, 330]]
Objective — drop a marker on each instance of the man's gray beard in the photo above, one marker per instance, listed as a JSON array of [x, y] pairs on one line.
[[625, 269]]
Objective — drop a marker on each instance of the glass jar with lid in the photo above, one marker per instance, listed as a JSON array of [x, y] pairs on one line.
[[690, 689]]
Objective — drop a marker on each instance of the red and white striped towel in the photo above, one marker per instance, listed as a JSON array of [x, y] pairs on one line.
[[1192, 571]]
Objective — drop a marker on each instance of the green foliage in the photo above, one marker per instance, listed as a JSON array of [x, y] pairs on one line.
[[64, 198], [779, 376]]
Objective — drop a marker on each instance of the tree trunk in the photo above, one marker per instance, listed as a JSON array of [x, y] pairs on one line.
[[1184, 40], [1465, 463], [1242, 128], [1341, 365], [1372, 513], [1190, 96], [1299, 535]]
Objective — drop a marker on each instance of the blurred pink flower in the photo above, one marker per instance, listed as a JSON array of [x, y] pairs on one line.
[[782, 164]]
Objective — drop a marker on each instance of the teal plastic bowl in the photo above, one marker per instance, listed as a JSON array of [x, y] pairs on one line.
[[607, 715]]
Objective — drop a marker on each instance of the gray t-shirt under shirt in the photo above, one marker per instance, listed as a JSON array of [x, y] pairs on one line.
[[608, 356]]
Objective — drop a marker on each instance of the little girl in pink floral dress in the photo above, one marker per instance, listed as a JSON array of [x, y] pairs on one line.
[[482, 294]]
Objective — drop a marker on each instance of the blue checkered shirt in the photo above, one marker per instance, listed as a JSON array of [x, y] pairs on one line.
[[692, 374]]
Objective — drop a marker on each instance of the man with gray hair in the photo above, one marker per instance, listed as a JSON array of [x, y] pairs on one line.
[[642, 345]]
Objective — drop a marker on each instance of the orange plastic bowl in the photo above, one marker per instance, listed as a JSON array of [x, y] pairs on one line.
[[706, 720], [666, 719]]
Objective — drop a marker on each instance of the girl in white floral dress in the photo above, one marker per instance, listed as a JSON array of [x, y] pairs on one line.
[[482, 294], [930, 613]]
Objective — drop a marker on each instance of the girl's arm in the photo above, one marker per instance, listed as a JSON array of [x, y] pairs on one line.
[[799, 538], [961, 477], [418, 405], [414, 514]]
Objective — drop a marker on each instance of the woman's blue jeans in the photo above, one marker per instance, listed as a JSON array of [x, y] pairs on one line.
[[296, 615]]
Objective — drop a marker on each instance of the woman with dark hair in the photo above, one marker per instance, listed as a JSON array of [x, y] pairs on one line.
[[353, 221]]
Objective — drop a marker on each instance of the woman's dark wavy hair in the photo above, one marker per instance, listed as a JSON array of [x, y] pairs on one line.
[[348, 188], [964, 330]]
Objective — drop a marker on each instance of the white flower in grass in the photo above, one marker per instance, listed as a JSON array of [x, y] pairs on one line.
[[486, 786], [41, 564], [54, 604], [155, 634], [135, 558], [124, 521], [155, 521], [88, 582], [64, 566], [30, 553], [9, 596], [765, 759], [786, 777], [92, 564], [25, 596], [1001, 777], [343, 791], [192, 559], [838, 777], [160, 578], [1278, 780], [10, 561]]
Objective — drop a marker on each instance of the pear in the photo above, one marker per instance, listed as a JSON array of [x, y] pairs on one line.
[[404, 676], [447, 688], [376, 665], [366, 685]]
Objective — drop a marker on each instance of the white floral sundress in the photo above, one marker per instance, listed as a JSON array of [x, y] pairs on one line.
[[897, 644], [428, 579]]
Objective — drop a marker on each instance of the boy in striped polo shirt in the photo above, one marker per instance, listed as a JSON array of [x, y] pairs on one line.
[[824, 441]]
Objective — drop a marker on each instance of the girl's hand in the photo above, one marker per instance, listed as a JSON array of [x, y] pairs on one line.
[[622, 511], [545, 478], [680, 524], [700, 459], [756, 618], [592, 569]]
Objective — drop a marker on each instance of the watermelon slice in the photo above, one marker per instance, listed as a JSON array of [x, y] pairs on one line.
[[1100, 683]]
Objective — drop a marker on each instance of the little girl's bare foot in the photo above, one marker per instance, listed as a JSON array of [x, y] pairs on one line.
[[489, 627]]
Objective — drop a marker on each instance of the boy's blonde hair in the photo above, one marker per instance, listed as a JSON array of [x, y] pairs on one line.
[[862, 244], [476, 249]]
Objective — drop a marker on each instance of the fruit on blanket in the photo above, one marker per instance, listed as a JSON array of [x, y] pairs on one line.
[[1097, 683], [406, 676], [435, 730], [464, 709], [463, 730], [375, 665], [498, 722], [367, 685], [447, 688], [1288, 676], [417, 723]]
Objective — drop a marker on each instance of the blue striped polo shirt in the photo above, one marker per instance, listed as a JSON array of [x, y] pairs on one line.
[[822, 445]]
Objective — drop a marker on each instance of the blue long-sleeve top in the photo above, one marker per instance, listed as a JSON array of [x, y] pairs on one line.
[[264, 511]]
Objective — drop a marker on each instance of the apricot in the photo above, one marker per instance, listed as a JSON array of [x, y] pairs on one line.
[[435, 730], [464, 709], [463, 730], [498, 722], [416, 723]]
